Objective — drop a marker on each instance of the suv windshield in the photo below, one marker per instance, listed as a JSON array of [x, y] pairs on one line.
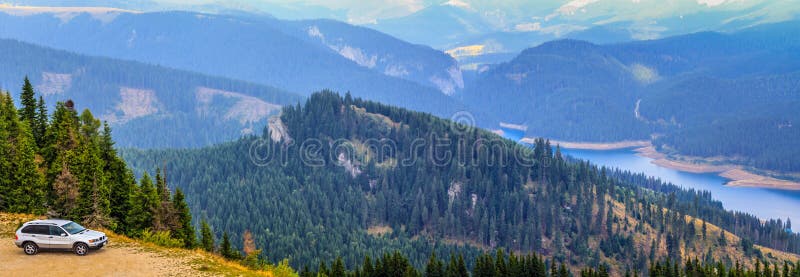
[[73, 228]]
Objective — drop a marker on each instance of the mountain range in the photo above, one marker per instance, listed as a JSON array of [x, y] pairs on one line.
[[189, 109], [632, 90], [297, 56], [657, 88]]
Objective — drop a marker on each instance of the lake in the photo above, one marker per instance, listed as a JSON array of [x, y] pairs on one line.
[[764, 203]]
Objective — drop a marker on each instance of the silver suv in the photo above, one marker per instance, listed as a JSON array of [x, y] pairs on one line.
[[58, 234]]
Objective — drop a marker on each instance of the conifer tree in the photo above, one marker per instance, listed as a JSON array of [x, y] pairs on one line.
[[40, 126], [28, 191], [28, 99], [207, 237], [186, 231], [121, 181], [367, 270], [97, 217], [461, 267], [226, 250], [337, 269], [434, 267], [5, 149], [143, 206]]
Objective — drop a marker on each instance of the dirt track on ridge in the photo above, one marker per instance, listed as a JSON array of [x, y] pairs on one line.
[[119, 259]]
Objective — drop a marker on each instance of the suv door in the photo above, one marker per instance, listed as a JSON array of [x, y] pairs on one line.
[[59, 239], [38, 234]]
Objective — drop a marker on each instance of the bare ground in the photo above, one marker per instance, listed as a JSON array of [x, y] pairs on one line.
[[114, 260], [742, 178], [122, 257]]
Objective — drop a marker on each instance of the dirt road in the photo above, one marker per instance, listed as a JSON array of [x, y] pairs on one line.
[[118, 259]]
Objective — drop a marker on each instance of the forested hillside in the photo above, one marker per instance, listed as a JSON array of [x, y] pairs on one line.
[[345, 177], [64, 164], [254, 48], [704, 94], [188, 109], [516, 265]]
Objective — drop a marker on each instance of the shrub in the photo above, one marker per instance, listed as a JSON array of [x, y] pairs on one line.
[[162, 238]]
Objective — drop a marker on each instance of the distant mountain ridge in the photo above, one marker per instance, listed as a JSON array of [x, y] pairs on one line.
[[189, 109], [255, 48], [659, 87]]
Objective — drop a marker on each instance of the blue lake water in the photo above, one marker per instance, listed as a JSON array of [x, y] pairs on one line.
[[764, 203]]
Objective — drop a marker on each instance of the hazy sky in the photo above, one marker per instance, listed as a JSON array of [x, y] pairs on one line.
[[512, 12]]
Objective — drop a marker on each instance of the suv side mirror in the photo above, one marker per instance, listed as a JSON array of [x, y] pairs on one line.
[[63, 234]]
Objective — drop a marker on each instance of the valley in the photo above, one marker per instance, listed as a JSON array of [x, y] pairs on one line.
[[455, 138]]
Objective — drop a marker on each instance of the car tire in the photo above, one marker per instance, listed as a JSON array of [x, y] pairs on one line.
[[30, 248], [80, 249]]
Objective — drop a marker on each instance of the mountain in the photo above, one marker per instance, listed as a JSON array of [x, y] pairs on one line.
[[383, 53], [443, 24], [563, 83], [339, 176], [188, 109], [254, 48], [683, 86]]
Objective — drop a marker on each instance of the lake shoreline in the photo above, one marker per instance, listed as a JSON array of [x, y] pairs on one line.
[[737, 175], [594, 145]]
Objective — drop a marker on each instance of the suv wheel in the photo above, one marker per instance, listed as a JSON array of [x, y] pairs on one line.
[[30, 248], [81, 249]]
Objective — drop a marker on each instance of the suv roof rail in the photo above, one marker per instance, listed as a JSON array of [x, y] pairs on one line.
[[40, 223]]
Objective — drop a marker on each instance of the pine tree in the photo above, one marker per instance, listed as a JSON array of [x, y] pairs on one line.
[[40, 123], [722, 240], [7, 115], [165, 216], [143, 206], [461, 267], [97, 217], [28, 99], [186, 231], [367, 270], [434, 267], [226, 249], [28, 190], [207, 237], [120, 180], [337, 269]]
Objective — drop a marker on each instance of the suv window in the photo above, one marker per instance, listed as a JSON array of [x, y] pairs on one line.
[[36, 230], [56, 231]]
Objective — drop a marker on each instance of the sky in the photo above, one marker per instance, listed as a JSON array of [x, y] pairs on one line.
[[508, 12], [550, 19]]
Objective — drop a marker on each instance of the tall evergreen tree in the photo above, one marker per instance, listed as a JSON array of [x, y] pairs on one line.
[[337, 269], [7, 114], [143, 206], [207, 237], [434, 267], [186, 230], [226, 250], [28, 191], [28, 99], [40, 123]]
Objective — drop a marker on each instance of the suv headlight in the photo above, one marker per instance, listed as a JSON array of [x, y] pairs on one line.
[[93, 240]]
